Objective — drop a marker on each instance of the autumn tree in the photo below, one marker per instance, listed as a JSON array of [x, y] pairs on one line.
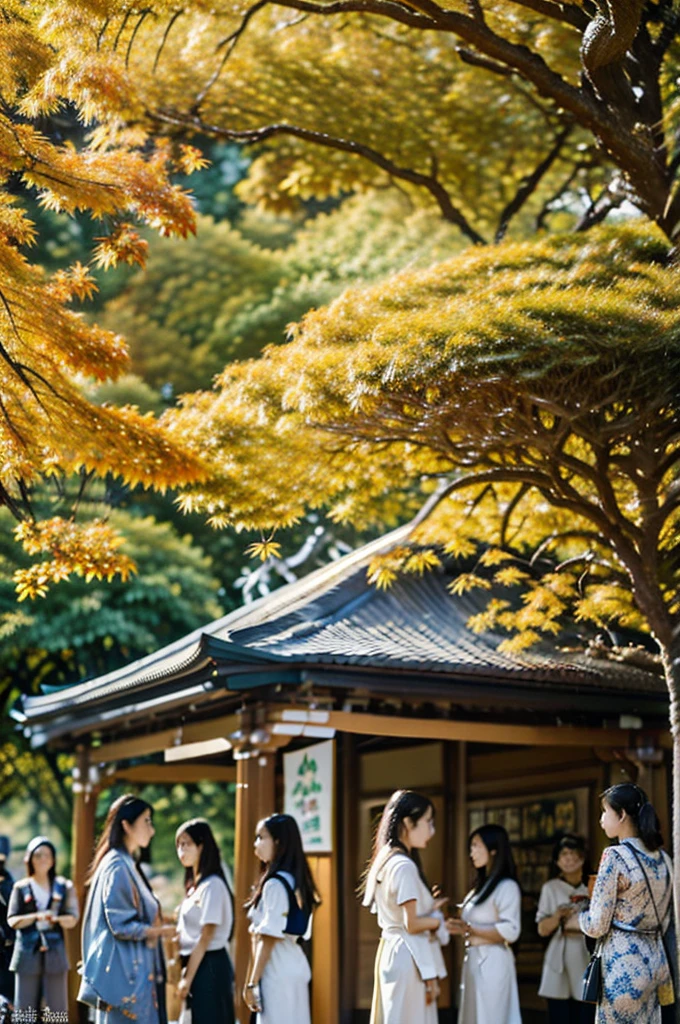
[[84, 630], [549, 102], [48, 428], [223, 295], [535, 385]]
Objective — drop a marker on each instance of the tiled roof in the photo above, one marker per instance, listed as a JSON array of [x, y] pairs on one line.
[[332, 617]]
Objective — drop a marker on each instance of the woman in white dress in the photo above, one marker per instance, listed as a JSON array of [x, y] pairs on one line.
[[280, 912], [490, 920], [566, 957], [409, 961], [206, 917]]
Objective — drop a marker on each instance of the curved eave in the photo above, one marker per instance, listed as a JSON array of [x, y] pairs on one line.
[[184, 655]]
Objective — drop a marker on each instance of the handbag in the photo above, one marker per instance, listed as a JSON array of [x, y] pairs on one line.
[[592, 977], [666, 991], [86, 993]]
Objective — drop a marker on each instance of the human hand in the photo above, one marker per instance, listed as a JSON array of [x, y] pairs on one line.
[[183, 987], [440, 902], [456, 926], [161, 931], [252, 996], [431, 991]]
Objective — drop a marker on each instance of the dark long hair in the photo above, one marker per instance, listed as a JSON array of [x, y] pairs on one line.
[[497, 841], [404, 803], [126, 808], [210, 861], [570, 842], [288, 856], [628, 797]]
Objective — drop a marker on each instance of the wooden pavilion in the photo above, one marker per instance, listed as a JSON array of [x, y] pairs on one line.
[[408, 696]]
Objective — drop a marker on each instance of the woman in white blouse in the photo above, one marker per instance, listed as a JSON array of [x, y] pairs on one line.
[[566, 957], [490, 921], [205, 923], [280, 912], [409, 962]]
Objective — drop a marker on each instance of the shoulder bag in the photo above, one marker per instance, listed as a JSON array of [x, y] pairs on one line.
[[592, 977]]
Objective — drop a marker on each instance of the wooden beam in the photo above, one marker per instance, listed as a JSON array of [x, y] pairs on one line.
[[523, 782], [460, 850], [255, 799], [325, 944], [499, 764], [172, 774], [476, 732], [153, 743], [348, 846], [82, 848]]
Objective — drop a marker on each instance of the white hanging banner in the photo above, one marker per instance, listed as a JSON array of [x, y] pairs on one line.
[[308, 794]]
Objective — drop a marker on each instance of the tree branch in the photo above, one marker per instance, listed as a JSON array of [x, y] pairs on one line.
[[229, 45], [512, 505], [530, 183], [449, 211], [164, 40], [479, 61]]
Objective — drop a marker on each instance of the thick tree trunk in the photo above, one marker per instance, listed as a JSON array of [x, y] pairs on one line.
[[671, 660]]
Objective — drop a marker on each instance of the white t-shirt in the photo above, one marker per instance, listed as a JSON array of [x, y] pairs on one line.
[[43, 898], [209, 903]]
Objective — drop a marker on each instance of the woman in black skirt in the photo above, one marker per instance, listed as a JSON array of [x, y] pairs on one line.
[[205, 925]]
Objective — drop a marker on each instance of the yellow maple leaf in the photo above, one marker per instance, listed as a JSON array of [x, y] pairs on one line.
[[264, 549]]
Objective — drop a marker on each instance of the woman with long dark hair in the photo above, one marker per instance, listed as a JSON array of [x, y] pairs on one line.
[[566, 956], [205, 923], [409, 962], [630, 910], [41, 906], [490, 921], [280, 912], [123, 972]]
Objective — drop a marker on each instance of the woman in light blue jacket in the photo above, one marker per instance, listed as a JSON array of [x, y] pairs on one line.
[[123, 973]]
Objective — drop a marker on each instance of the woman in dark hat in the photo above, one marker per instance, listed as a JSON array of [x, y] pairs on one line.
[[41, 906], [123, 972]]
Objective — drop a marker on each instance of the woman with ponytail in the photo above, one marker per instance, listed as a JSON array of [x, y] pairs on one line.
[[490, 920], [280, 912], [629, 911], [409, 962], [123, 972]]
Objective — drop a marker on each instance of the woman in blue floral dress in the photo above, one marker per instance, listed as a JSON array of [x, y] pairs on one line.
[[622, 914]]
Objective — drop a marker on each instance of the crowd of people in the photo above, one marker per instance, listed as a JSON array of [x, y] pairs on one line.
[[123, 973]]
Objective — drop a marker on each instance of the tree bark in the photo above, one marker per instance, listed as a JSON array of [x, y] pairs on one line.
[[671, 661]]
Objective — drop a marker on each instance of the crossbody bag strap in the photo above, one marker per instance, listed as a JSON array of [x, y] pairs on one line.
[[649, 887], [651, 896]]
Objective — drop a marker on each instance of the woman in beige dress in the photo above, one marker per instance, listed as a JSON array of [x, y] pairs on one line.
[[409, 961]]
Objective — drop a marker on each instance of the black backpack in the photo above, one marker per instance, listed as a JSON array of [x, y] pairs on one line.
[[298, 918]]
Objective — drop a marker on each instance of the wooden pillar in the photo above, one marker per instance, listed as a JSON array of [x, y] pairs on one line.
[[82, 846], [255, 799], [325, 944], [461, 855], [347, 816]]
